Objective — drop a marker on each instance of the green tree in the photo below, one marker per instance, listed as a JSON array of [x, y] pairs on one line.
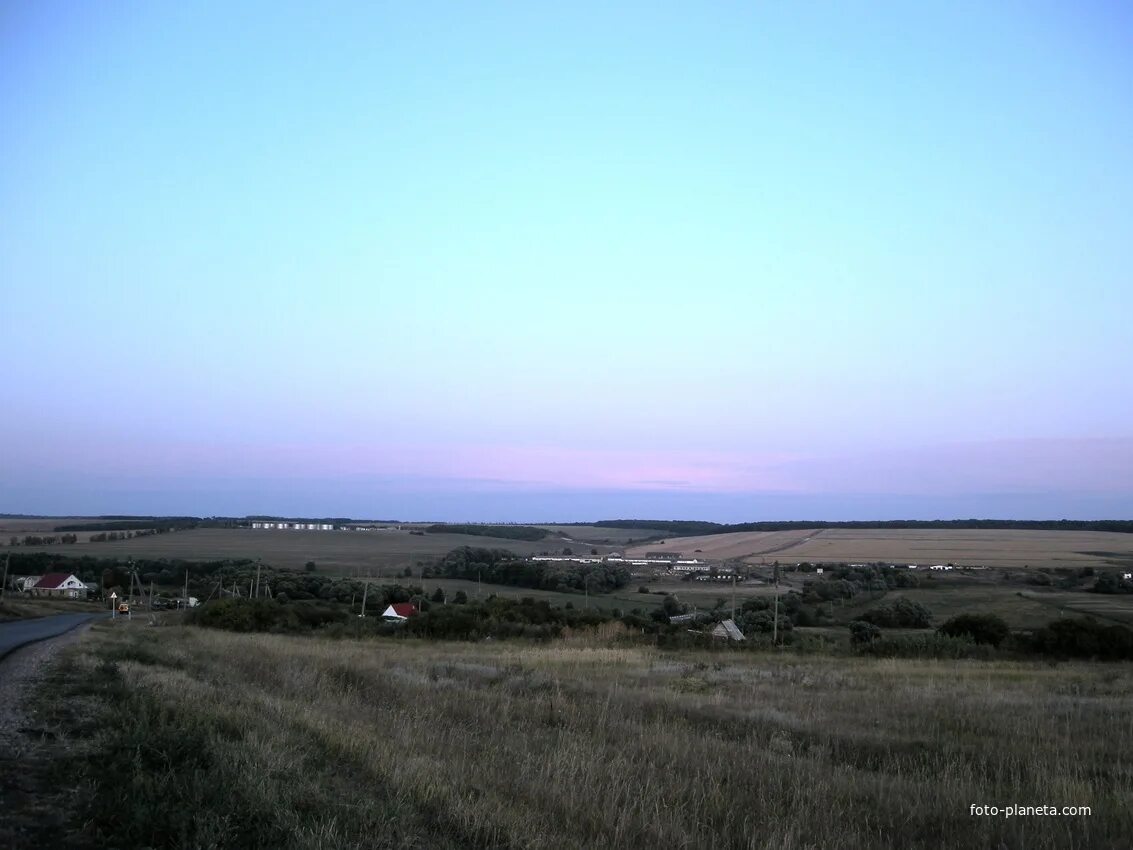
[[982, 628]]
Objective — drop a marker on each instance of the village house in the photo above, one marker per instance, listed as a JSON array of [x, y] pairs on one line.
[[399, 611], [60, 584]]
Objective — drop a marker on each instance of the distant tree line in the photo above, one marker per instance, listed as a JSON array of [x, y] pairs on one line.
[[507, 532], [41, 540], [685, 528]]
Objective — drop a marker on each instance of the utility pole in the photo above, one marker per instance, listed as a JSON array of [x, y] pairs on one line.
[[186, 585], [151, 594], [775, 623], [4, 583], [733, 597], [365, 593], [257, 578]]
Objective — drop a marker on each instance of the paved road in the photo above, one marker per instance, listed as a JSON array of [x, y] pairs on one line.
[[16, 633]]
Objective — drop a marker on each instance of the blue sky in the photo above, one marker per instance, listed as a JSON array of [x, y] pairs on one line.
[[562, 261]]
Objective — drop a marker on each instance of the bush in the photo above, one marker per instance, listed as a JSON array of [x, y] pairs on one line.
[[862, 632], [981, 628], [933, 645], [1083, 638], [900, 614]]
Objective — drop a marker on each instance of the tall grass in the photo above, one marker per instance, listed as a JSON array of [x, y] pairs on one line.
[[213, 739]]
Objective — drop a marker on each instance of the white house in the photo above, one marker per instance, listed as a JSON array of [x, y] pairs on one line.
[[60, 584]]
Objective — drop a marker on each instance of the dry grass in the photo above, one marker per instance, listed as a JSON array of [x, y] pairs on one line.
[[585, 743]]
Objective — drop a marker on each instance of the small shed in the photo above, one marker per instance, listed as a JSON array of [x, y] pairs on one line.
[[729, 630]]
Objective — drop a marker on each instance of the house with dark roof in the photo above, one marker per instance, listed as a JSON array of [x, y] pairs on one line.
[[60, 584], [399, 611]]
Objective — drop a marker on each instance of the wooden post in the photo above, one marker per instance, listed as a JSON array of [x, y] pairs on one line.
[[4, 583], [365, 593]]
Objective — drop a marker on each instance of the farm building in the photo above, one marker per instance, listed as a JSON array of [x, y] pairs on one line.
[[399, 611], [60, 584], [294, 526], [25, 583]]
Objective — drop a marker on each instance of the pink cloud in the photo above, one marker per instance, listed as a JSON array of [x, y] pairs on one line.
[[1055, 465]]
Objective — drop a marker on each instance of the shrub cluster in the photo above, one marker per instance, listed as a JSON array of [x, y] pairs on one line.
[[899, 614]]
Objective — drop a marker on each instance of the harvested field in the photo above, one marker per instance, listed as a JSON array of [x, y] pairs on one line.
[[734, 544], [975, 547]]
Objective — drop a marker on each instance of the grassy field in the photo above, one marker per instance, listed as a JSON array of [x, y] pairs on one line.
[[33, 525], [337, 552], [194, 738], [22, 607], [371, 552], [999, 548], [597, 535]]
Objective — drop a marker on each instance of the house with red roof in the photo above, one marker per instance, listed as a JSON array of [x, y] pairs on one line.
[[60, 584], [399, 611]]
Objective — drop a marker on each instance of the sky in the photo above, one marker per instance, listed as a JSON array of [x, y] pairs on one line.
[[567, 261]]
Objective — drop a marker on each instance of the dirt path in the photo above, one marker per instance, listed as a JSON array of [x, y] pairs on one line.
[[34, 803]]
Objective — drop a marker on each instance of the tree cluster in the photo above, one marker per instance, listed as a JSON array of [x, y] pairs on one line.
[[499, 566]]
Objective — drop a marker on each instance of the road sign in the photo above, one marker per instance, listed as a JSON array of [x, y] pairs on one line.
[[113, 595]]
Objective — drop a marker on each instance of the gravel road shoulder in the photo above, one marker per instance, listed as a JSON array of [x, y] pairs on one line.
[[34, 805]]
